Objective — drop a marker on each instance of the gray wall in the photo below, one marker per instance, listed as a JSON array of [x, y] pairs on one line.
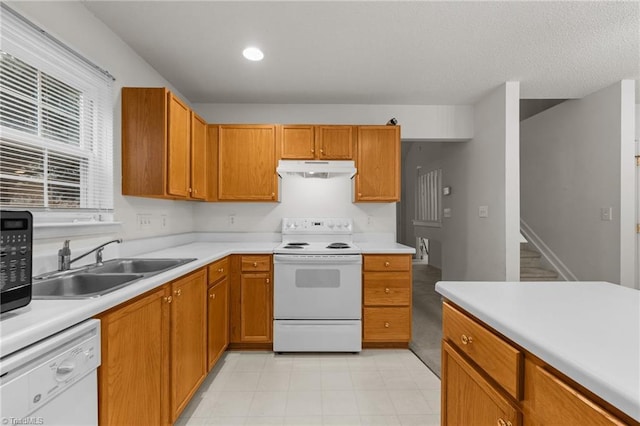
[[428, 155], [482, 172], [571, 168]]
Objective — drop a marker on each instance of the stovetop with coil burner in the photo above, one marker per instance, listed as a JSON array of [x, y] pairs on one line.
[[317, 236]]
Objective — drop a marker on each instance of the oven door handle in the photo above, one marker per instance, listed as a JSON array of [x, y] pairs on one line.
[[317, 259]]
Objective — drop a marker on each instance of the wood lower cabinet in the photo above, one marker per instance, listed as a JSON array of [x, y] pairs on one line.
[[251, 301], [326, 142], [188, 339], [247, 163], [386, 289], [489, 380], [378, 164], [468, 398], [217, 312], [133, 379]]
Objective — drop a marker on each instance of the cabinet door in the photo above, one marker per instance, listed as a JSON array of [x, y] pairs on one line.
[[378, 164], [334, 142], [468, 399], [255, 307], [218, 321], [179, 141], [198, 158], [247, 163], [133, 378], [188, 339], [297, 142]]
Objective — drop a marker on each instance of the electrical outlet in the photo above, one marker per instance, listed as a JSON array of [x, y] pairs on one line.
[[144, 221], [369, 220], [164, 221], [232, 219]]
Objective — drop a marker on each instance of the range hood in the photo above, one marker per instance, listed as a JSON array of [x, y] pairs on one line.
[[317, 169]]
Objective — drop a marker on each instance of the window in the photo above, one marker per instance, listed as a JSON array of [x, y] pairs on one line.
[[55, 124], [428, 199]]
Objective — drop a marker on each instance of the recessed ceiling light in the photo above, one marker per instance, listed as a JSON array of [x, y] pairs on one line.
[[253, 54]]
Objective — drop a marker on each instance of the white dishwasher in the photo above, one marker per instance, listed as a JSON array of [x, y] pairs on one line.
[[54, 381]]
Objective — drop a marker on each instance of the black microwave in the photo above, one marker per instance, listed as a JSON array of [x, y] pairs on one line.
[[16, 255]]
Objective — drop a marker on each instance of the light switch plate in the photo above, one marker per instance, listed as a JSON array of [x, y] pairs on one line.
[[483, 211], [446, 190], [606, 214], [446, 212]]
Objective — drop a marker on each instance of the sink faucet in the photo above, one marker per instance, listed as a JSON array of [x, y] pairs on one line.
[[64, 254]]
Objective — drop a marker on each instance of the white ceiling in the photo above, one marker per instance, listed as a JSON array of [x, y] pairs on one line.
[[380, 52]]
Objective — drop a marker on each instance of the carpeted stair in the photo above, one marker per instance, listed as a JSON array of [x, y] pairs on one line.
[[530, 266]]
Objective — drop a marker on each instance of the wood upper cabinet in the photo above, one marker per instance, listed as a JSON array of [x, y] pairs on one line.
[[188, 339], [156, 143], [247, 163], [251, 300], [334, 142], [179, 142], [133, 379], [306, 142], [468, 398], [378, 164], [199, 158]]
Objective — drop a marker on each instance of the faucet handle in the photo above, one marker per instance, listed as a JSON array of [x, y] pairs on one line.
[[99, 255]]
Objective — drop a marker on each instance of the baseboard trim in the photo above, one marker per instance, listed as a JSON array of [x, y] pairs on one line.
[[546, 252]]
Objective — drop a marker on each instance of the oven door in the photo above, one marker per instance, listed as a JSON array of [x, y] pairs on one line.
[[317, 287]]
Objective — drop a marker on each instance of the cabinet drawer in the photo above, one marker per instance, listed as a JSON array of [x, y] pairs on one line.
[[387, 262], [555, 402], [387, 289], [256, 263], [490, 352], [218, 270], [387, 324]]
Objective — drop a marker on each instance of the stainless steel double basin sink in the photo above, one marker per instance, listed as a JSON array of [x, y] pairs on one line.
[[96, 280]]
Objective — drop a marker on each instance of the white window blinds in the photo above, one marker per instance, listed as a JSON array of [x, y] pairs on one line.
[[428, 199], [56, 113]]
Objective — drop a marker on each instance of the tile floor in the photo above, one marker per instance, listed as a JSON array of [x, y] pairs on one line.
[[375, 387]]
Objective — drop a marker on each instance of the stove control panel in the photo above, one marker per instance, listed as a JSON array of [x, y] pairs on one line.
[[317, 226]]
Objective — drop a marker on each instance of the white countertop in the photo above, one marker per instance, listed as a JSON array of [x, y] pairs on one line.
[[590, 331], [43, 318], [383, 247]]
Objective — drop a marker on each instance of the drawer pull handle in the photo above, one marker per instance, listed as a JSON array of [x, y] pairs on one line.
[[255, 264], [386, 263], [221, 270], [386, 290], [466, 339], [386, 325]]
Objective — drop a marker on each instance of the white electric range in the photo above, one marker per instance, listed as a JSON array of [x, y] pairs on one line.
[[317, 287]]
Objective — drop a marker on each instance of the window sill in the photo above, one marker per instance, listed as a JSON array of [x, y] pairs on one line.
[[427, 224], [45, 230]]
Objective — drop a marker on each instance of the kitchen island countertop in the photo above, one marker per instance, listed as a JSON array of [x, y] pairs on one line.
[[43, 318], [589, 331]]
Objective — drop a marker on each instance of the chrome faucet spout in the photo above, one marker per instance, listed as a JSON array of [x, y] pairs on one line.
[[64, 255]]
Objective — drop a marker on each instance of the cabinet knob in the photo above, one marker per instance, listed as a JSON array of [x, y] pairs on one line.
[[167, 299], [321, 151], [195, 191], [501, 422], [212, 296], [268, 281], [359, 194], [313, 151], [273, 194], [386, 264], [221, 270], [255, 264], [466, 339], [386, 325], [189, 190], [386, 290], [178, 292]]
